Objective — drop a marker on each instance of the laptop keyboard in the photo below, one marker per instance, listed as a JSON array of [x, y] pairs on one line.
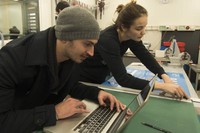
[[96, 121]]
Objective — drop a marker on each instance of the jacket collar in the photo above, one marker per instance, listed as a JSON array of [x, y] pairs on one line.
[[41, 50]]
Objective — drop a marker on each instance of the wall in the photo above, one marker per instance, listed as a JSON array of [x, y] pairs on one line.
[[159, 14], [46, 14], [6, 17], [47, 11], [176, 12]]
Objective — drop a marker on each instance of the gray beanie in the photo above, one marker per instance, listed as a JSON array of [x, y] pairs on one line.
[[76, 23]]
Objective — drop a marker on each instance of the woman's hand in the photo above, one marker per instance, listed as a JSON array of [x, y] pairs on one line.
[[166, 78], [172, 89]]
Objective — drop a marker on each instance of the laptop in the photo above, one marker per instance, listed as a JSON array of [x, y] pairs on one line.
[[103, 120]]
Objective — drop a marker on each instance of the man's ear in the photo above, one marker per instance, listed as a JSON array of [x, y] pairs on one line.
[[61, 41], [65, 41]]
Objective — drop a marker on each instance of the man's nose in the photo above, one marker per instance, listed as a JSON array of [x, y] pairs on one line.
[[90, 51]]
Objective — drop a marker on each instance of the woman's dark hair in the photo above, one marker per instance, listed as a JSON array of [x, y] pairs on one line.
[[61, 5], [128, 14]]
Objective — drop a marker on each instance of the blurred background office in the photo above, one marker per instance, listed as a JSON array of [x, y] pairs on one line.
[[167, 18], [23, 14], [31, 16], [14, 32]]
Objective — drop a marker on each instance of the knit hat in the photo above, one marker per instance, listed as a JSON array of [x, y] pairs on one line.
[[76, 23]]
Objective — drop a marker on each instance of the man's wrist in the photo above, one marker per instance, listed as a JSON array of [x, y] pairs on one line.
[[56, 111], [57, 117]]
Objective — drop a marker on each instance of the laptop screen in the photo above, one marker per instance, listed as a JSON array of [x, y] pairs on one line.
[[135, 105], [142, 97]]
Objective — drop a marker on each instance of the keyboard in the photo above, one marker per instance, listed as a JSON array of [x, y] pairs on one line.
[[96, 121]]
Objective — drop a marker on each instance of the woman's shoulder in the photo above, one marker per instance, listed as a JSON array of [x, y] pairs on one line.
[[110, 30], [109, 34]]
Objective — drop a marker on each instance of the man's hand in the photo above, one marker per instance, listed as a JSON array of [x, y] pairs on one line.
[[70, 107], [105, 96]]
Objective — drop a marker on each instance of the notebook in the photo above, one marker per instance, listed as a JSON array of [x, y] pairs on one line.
[[103, 120]]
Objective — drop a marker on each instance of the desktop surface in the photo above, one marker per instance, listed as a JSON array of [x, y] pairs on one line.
[[177, 78], [173, 115]]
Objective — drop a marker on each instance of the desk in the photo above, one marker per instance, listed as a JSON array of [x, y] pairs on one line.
[[196, 69], [174, 115], [171, 69], [162, 59], [176, 73], [128, 58]]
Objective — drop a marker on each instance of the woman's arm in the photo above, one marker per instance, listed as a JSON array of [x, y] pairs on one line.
[[110, 52], [166, 78], [146, 58]]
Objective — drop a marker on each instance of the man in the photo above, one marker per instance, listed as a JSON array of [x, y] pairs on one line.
[[39, 70]]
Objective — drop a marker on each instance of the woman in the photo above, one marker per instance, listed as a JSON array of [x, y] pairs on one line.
[[114, 41], [61, 5]]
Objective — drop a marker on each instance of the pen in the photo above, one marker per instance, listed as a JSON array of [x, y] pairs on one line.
[[156, 128]]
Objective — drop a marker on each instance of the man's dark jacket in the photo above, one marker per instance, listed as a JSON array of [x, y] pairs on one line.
[[31, 83]]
